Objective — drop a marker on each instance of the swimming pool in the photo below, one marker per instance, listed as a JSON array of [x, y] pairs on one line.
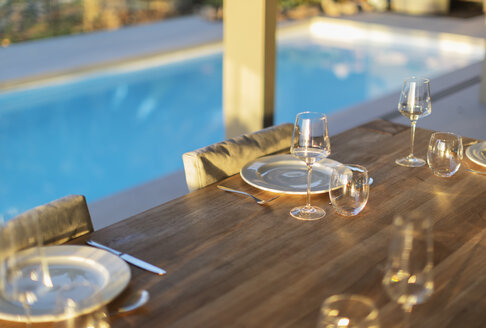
[[101, 133]]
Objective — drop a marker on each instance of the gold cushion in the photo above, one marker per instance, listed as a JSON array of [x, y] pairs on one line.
[[60, 220], [218, 161]]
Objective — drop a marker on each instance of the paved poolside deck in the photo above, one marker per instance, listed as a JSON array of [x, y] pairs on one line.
[[456, 105], [40, 59]]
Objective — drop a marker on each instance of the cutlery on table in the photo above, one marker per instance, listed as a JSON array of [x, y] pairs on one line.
[[475, 171], [128, 258], [130, 303], [258, 200], [467, 144]]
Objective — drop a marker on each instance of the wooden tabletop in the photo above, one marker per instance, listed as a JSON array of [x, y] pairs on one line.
[[233, 263]]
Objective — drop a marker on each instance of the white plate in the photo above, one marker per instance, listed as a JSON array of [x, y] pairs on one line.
[[73, 264], [287, 174], [477, 153]]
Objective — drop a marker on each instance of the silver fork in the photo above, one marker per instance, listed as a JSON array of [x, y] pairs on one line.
[[258, 200], [475, 171]]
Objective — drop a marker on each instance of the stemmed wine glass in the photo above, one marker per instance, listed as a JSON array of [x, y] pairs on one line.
[[414, 103], [408, 278], [25, 276], [310, 143]]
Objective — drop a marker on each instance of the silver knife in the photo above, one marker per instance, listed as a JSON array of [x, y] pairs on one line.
[[128, 258]]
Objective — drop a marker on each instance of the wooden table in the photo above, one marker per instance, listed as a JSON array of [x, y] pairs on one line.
[[233, 263]]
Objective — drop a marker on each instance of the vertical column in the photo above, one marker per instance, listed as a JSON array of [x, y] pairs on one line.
[[248, 64], [482, 88], [91, 12]]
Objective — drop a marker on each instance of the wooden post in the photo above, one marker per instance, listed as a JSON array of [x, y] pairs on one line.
[[248, 65], [482, 88], [91, 12]]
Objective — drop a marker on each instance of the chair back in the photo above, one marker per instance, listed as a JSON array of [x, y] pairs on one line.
[[223, 159], [61, 220]]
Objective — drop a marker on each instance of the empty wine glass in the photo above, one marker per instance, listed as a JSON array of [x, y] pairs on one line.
[[348, 311], [310, 143], [25, 274], [414, 103], [444, 155], [408, 278]]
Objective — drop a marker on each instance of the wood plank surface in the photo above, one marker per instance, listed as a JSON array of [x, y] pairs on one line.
[[233, 263]]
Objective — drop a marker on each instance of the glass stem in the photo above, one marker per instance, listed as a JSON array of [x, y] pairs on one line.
[[407, 312], [28, 322], [412, 139], [309, 173]]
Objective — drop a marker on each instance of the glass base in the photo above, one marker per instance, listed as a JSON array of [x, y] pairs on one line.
[[410, 161], [307, 213]]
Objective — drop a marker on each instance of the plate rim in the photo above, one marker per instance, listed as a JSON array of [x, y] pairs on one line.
[[123, 277], [470, 155], [286, 157]]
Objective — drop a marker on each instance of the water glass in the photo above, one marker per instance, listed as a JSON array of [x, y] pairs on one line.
[[349, 189], [445, 153], [408, 276], [350, 311]]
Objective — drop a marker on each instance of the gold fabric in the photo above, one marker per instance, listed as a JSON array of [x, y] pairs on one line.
[[218, 161], [61, 220]]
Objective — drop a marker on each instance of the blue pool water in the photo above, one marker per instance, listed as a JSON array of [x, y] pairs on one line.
[[108, 132]]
